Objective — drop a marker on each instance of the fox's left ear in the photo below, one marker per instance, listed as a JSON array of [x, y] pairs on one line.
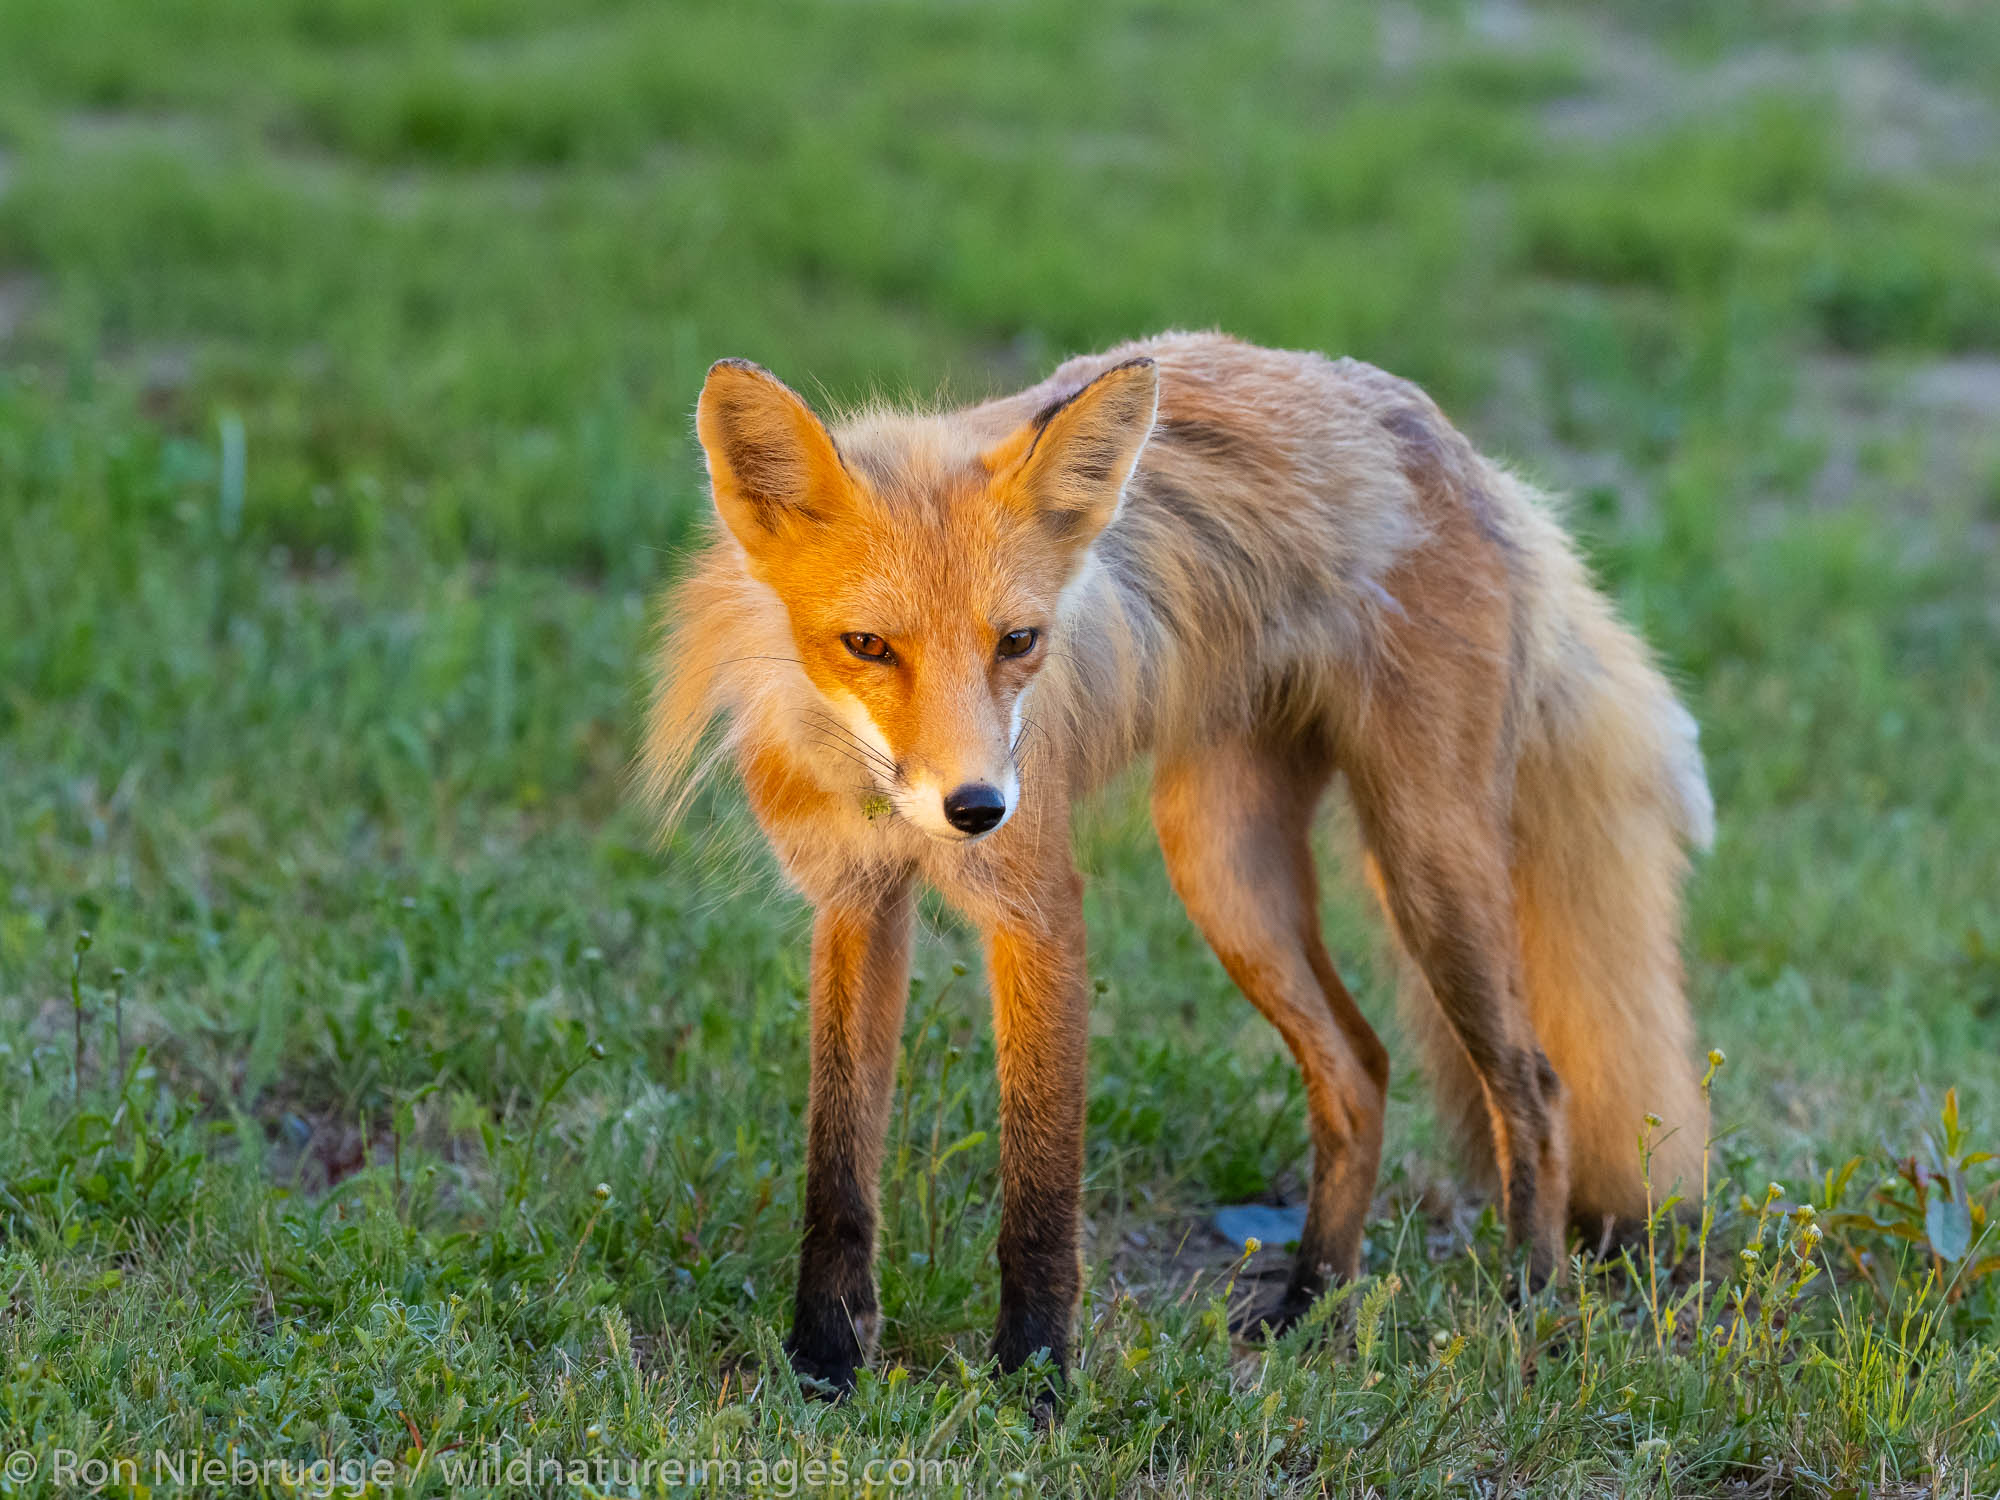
[[1069, 465], [771, 463]]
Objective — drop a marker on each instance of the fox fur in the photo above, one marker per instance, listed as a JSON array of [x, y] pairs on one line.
[[1264, 569]]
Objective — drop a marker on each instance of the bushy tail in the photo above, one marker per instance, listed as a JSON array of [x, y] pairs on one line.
[[1609, 796]]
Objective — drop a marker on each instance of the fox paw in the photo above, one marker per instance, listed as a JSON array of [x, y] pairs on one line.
[[1045, 1408], [828, 1378], [1270, 1318]]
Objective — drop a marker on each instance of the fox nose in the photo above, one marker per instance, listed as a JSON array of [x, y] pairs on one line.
[[975, 807]]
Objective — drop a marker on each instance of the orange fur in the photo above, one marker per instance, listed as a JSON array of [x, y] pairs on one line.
[[1263, 568]]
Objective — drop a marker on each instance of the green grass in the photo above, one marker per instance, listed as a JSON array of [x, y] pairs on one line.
[[388, 972]]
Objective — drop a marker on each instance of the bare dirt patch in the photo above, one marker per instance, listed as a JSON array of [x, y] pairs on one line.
[[1894, 118], [1921, 438]]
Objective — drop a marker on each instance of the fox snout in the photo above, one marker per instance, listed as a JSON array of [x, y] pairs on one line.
[[952, 788], [955, 809]]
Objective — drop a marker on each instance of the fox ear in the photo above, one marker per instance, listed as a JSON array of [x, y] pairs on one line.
[[771, 462], [1070, 464]]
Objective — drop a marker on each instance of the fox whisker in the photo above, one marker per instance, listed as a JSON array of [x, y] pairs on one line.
[[717, 666], [873, 757], [827, 721], [837, 749]]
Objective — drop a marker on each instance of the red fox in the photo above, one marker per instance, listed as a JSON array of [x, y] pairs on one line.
[[930, 633]]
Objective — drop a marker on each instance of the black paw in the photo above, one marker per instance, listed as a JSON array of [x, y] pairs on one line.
[[1270, 1318], [1529, 1275], [1020, 1340], [1018, 1345], [829, 1378], [1045, 1408]]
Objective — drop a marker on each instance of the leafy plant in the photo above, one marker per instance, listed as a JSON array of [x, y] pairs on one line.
[[1932, 1203]]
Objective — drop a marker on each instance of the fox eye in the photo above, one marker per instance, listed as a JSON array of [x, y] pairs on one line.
[[867, 647], [1019, 642]]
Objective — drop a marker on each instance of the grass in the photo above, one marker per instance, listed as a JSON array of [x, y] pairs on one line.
[[346, 357]]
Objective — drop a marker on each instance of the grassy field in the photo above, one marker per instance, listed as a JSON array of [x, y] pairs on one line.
[[347, 352]]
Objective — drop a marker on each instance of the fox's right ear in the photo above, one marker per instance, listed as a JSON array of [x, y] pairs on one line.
[[771, 463]]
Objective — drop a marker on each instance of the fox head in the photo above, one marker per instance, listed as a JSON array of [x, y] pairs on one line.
[[921, 572]]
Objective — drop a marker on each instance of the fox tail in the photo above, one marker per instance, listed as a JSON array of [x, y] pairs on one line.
[[1609, 796]]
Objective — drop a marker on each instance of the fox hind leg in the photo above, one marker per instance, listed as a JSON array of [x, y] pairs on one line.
[[1456, 1092], [1233, 823], [1440, 849]]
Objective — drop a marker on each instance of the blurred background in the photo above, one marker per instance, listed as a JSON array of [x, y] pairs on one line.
[[347, 356]]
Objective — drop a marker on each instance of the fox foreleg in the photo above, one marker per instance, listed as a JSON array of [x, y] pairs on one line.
[[1041, 1030], [860, 982]]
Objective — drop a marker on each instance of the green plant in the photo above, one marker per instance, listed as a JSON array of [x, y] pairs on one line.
[[1932, 1203]]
